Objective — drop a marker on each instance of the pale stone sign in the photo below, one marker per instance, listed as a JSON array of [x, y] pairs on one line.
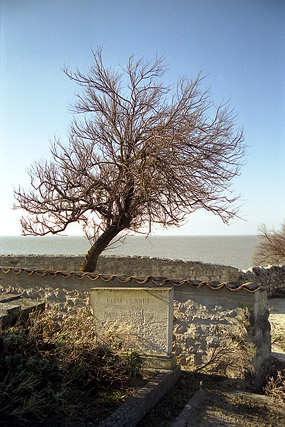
[[145, 313]]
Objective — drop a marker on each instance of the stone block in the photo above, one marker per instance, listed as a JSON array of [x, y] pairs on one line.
[[144, 314], [14, 308]]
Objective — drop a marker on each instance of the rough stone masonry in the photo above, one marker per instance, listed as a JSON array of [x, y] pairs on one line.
[[270, 277], [207, 315]]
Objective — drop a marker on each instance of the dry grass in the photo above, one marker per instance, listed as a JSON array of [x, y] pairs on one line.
[[279, 340], [56, 371], [229, 356], [275, 386], [56, 368]]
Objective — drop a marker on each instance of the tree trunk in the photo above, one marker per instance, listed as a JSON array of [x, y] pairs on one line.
[[90, 260]]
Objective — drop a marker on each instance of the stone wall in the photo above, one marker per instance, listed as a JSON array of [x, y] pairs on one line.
[[226, 325], [208, 319], [139, 266], [42, 262], [271, 277], [229, 328]]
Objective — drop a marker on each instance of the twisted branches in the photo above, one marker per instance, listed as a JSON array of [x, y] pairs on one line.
[[141, 152]]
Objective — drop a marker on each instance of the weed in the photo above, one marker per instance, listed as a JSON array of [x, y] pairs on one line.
[[55, 366], [275, 386]]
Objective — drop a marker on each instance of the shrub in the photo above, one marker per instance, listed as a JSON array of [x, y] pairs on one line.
[[271, 249], [55, 365], [275, 386]]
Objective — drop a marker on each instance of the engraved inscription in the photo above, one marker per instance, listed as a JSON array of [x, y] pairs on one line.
[[145, 313]]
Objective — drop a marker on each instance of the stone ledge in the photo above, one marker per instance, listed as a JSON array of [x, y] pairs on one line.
[[14, 308], [131, 412], [158, 362], [227, 406]]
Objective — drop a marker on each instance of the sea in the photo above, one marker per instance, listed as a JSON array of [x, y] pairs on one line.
[[236, 251]]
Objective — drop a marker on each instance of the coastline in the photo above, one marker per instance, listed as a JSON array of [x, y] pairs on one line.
[[224, 250]]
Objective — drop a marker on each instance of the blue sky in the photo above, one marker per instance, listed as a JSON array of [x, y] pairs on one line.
[[239, 44]]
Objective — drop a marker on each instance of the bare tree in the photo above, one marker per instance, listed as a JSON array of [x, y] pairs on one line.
[[271, 249], [143, 153]]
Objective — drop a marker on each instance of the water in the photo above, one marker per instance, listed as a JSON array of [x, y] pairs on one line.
[[236, 251]]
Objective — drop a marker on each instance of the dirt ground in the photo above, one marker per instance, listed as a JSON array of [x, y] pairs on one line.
[[233, 408]]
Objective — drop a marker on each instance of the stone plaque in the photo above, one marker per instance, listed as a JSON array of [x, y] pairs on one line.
[[146, 314]]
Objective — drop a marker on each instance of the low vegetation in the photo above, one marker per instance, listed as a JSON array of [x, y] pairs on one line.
[[271, 249], [55, 371], [275, 386]]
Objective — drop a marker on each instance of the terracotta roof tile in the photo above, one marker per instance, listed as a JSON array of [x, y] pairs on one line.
[[159, 281]]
